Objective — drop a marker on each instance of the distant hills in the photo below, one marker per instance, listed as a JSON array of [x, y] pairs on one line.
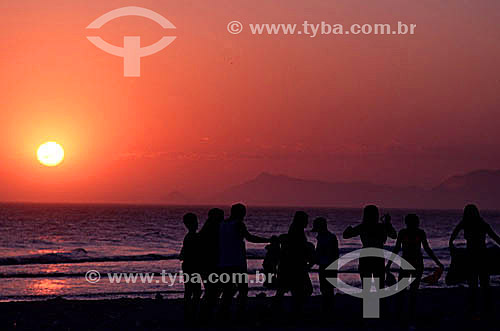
[[481, 187]]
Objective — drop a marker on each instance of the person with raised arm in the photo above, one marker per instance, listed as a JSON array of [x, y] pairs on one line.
[[373, 234], [475, 231], [411, 240]]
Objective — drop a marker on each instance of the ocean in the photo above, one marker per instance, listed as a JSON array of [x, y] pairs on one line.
[[46, 250]]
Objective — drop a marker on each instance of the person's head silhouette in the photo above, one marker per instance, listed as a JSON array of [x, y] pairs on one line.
[[301, 219], [370, 214], [471, 214], [412, 221], [238, 211], [191, 222], [216, 214], [319, 225]]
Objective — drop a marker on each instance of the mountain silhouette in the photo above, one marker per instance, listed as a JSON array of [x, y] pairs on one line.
[[268, 189], [481, 187]]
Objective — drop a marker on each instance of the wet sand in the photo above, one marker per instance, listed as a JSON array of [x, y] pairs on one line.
[[438, 309]]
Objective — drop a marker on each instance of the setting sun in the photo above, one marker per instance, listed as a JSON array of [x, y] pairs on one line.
[[50, 154]]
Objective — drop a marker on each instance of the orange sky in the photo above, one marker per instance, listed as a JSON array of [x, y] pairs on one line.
[[214, 109]]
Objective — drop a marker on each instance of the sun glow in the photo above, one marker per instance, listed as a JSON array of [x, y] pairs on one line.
[[50, 154]]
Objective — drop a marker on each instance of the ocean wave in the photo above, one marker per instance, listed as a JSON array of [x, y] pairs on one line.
[[79, 255]]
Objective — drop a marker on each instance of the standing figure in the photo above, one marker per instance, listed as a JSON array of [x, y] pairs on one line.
[[411, 240], [373, 234], [190, 257], [327, 252], [209, 242], [297, 255], [271, 261], [475, 231], [233, 258]]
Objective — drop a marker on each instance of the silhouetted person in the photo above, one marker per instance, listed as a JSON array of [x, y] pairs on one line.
[[296, 257], [232, 257], [372, 234], [209, 243], [411, 240], [190, 257], [475, 231], [271, 261], [327, 251]]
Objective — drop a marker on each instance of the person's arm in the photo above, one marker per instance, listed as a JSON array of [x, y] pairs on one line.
[[454, 235], [336, 252], [352, 232], [315, 258], [181, 254], [310, 255], [492, 234], [253, 238], [389, 229], [430, 252], [396, 250]]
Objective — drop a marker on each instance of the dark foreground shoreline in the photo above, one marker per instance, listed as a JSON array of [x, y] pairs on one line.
[[438, 309]]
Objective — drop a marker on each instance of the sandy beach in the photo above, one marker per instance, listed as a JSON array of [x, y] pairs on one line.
[[437, 309]]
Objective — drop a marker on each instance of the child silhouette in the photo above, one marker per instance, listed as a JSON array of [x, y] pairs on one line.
[[271, 261]]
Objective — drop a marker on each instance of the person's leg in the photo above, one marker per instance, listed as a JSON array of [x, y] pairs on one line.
[[376, 275], [327, 289], [281, 288], [364, 269], [209, 301], [226, 301], [277, 300], [373, 267], [213, 292], [196, 298], [267, 281], [400, 297], [472, 296], [364, 274], [487, 303], [242, 296], [413, 293], [239, 279], [379, 272], [228, 291], [188, 301], [474, 270], [297, 302], [301, 290]]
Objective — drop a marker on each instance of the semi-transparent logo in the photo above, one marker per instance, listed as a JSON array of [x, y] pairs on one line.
[[371, 293], [132, 52]]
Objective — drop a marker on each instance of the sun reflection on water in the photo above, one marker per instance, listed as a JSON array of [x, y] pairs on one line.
[[46, 286]]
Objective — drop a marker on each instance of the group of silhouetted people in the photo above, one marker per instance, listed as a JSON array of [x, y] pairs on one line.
[[219, 248]]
